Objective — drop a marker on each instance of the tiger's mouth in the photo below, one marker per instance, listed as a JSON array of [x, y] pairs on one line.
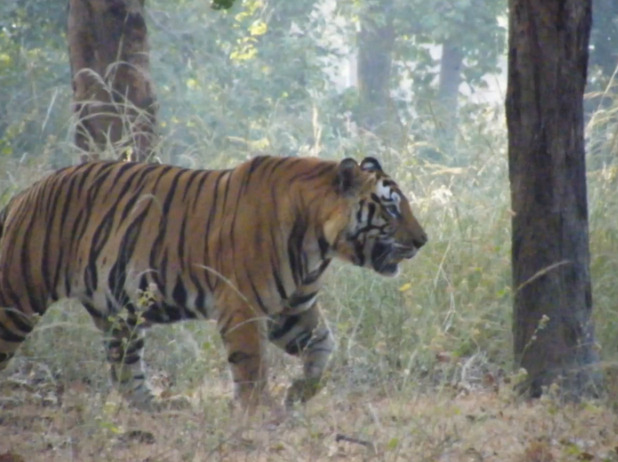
[[385, 257]]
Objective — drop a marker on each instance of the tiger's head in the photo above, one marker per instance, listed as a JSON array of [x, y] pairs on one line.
[[379, 230]]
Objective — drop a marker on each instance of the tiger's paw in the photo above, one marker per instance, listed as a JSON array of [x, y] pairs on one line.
[[150, 402], [172, 403], [301, 391]]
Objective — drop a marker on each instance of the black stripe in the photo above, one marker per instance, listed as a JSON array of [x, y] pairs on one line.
[[7, 291], [200, 298], [200, 186], [101, 235], [225, 327], [143, 283], [116, 282], [97, 183], [157, 245], [257, 296], [315, 172], [359, 214], [90, 308], [278, 330], [9, 336], [298, 344], [278, 281], [301, 299], [26, 266], [371, 213], [209, 222], [68, 206], [192, 176], [256, 162], [171, 193], [162, 272], [295, 243], [83, 174], [134, 346], [139, 187], [179, 294], [117, 274], [19, 319], [175, 314], [315, 275], [226, 191], [239, 357], [50, 215], [359, 253], [121, 169], [182, 242], [324, 247], [235, 214], [130, 359], [221, 248], [279, 162]]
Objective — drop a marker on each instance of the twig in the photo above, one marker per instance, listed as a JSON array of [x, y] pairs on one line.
[[340, 437]]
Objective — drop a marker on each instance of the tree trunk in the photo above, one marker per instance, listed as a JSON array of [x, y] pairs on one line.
[[448, 94], [548, 52], [114, 101], [376, 39]]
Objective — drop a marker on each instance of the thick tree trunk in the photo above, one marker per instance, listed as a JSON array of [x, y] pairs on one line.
[[376, 39], [113, 95], [548, 52]]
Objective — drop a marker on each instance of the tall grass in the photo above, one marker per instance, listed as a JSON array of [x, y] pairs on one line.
[[442, 328], [449, 309]]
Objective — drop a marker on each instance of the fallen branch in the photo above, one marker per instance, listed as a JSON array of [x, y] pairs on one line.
[[340, 437]]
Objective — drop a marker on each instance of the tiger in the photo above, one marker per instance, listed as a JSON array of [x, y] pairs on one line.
[[141, 244]]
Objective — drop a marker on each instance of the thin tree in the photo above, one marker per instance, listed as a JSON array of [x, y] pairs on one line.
[[376, 38], [114, 99], [548, 54]]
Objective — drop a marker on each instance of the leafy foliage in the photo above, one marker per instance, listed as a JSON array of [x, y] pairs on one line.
[[34, 76]]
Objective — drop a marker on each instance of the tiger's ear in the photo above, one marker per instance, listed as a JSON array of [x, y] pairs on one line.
[[348, 178], [371, 164]]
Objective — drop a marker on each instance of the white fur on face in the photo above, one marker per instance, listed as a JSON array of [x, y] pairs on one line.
[[387, 194]]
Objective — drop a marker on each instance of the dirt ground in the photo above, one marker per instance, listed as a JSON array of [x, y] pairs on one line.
[[43, 421]]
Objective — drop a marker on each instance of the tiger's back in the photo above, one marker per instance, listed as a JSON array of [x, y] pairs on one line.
[[246, 247]]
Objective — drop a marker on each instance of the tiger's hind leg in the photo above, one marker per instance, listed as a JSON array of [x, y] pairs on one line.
[[15, 325], [14, 328], [306, 335], [124, 343]]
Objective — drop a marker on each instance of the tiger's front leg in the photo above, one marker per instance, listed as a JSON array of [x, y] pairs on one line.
[[124, 344], [304, 334], [243, 332]]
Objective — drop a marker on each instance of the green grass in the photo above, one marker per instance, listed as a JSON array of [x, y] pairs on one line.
[[423, 365]]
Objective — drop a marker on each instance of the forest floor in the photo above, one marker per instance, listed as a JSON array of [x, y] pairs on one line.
[[43, 421]]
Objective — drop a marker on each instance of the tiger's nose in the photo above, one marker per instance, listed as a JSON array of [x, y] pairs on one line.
[[420, 241]]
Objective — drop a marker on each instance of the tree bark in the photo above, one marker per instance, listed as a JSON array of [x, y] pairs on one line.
[[376, 39], [114, 100], [548, 53]]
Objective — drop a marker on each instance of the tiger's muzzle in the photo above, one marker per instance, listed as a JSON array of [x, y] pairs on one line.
[[386, 256]]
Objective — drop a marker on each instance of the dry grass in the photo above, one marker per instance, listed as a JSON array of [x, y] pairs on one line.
[[417, 376], [46, 422]]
